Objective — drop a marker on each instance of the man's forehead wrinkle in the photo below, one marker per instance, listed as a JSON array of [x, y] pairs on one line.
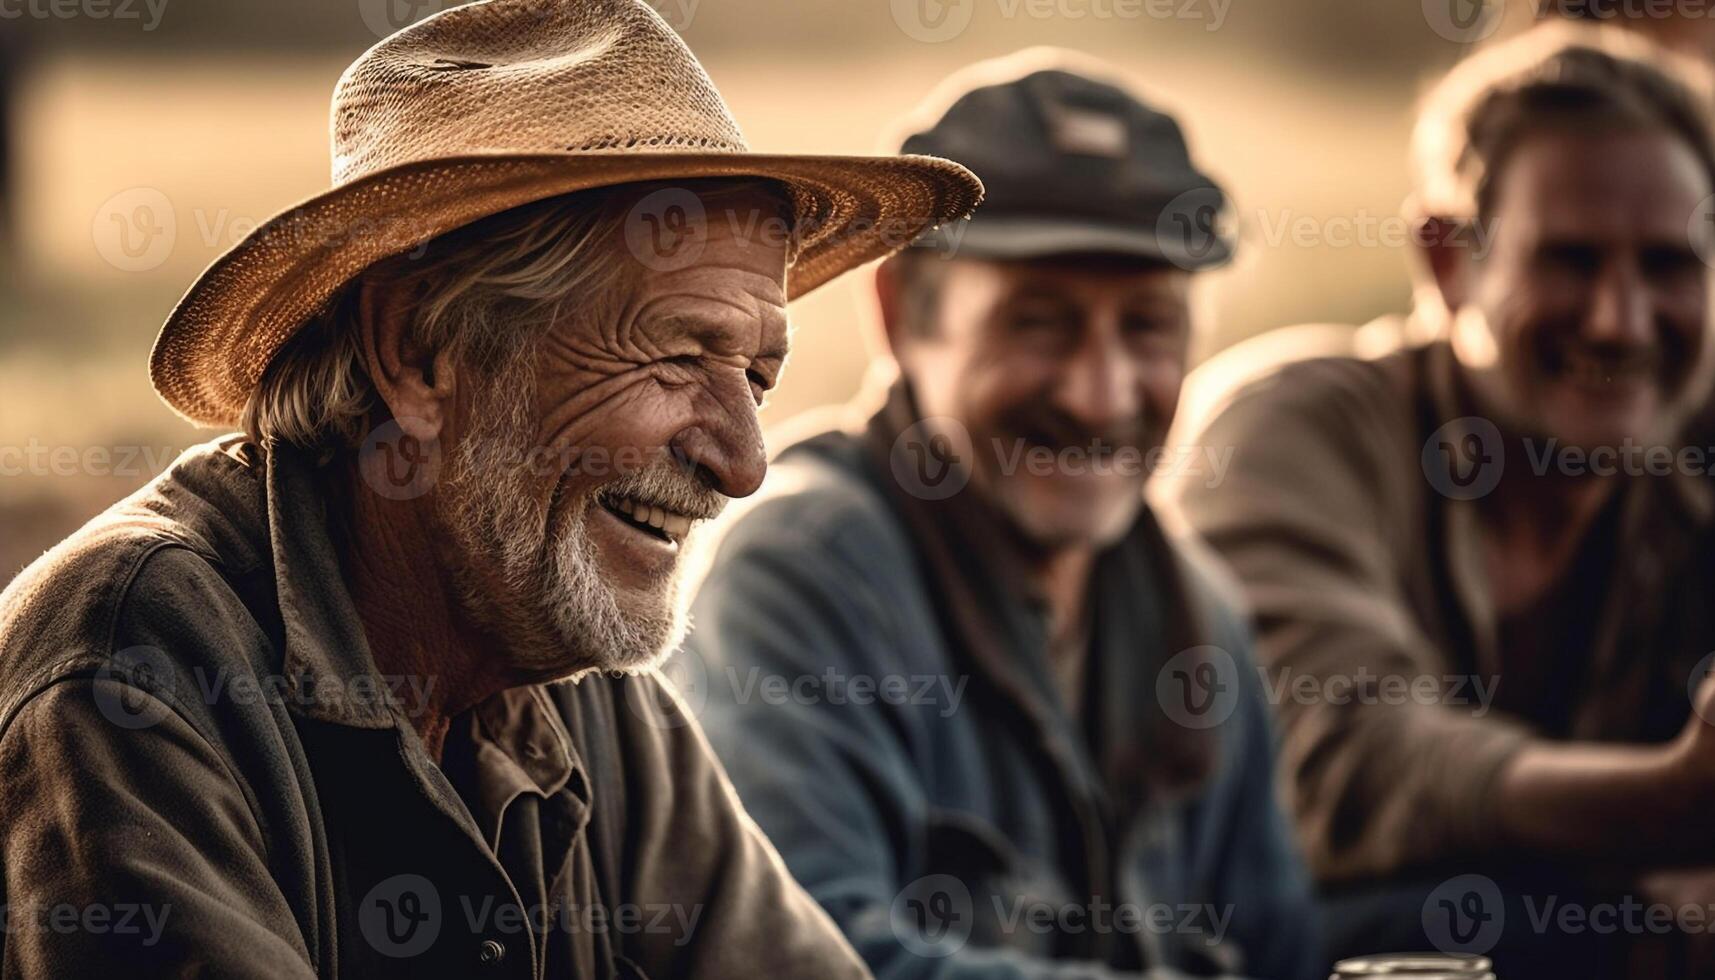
[[716, 276]]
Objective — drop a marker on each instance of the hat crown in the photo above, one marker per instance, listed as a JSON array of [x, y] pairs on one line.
[[526, 76], [1057, 141]]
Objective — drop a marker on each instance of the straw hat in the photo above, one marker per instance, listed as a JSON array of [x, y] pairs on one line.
[[493, 105]]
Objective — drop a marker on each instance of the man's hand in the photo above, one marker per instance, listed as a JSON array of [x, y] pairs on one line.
[[1694, 749], [1590, 800], [1677, 953]]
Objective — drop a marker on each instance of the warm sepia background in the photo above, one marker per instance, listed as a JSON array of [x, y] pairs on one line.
[[142, 139]]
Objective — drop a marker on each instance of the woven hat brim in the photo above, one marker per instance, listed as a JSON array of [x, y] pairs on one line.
[[237, 315]]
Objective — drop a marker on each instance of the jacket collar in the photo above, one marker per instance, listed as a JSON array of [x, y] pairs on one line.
[[329, 670], [995, 618]]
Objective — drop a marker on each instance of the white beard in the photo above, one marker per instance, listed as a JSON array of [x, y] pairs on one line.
[[558, 614]]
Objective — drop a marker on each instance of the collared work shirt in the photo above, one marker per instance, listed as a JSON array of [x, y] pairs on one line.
[[1349, 512], [202, 773]]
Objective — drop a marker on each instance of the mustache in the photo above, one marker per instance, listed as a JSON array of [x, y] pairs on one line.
[[1058, 431], [669, 484]]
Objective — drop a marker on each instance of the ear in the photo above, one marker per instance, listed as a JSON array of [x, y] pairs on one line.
[[1445, 249], [890, 306], [416, 383]]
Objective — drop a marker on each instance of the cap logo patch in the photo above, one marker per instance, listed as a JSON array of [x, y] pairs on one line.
[[1087, 132]]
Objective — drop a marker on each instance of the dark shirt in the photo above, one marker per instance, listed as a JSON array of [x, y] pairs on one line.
[[194, 739]]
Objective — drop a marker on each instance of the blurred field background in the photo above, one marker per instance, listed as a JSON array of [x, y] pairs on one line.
[[194, 120]]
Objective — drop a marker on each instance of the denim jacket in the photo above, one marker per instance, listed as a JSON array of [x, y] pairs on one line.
[[883, 703]]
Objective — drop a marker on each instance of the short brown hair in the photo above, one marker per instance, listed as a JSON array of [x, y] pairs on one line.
[[1557, 76]]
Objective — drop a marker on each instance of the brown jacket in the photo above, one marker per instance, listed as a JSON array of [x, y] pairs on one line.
[[202, 774], [1363, 564]]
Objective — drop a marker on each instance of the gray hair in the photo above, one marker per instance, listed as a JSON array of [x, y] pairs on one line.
[[484, 292]]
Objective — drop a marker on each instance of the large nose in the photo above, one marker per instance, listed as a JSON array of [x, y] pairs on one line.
[[1098, 384], [1620, 307], [724, 446]]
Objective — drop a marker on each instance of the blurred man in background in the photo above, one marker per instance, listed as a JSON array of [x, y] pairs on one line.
[[1462, 551], [932, 651]]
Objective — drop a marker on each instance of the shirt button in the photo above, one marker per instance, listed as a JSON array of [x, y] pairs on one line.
[[491, 952]]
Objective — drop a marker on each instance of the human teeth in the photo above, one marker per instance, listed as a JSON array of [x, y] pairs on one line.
[[672, 524]]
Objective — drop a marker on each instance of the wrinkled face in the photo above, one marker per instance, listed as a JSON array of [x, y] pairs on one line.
[[640, 422], [1065, 372], [1593, 301]]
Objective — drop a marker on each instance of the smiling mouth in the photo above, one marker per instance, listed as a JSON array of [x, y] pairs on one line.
[[1600, 371], [651, 519]]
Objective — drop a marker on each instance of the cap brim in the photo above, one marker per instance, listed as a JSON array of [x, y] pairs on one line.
[[1017, 238], [232, 321]]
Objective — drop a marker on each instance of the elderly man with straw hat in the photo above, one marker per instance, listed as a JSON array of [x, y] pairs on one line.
[[297, 708]]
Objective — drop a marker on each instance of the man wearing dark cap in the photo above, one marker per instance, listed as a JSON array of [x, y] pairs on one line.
[[954, 666]]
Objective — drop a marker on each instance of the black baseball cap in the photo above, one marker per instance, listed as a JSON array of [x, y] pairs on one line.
[[1072, 164]]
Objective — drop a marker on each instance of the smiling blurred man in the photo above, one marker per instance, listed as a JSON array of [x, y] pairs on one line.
[[1500, 523], [292, 710], [947, 660]]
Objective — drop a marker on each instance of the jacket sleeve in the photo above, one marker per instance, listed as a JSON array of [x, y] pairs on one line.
[[1313, 514], [831, 781], [129, 849]]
